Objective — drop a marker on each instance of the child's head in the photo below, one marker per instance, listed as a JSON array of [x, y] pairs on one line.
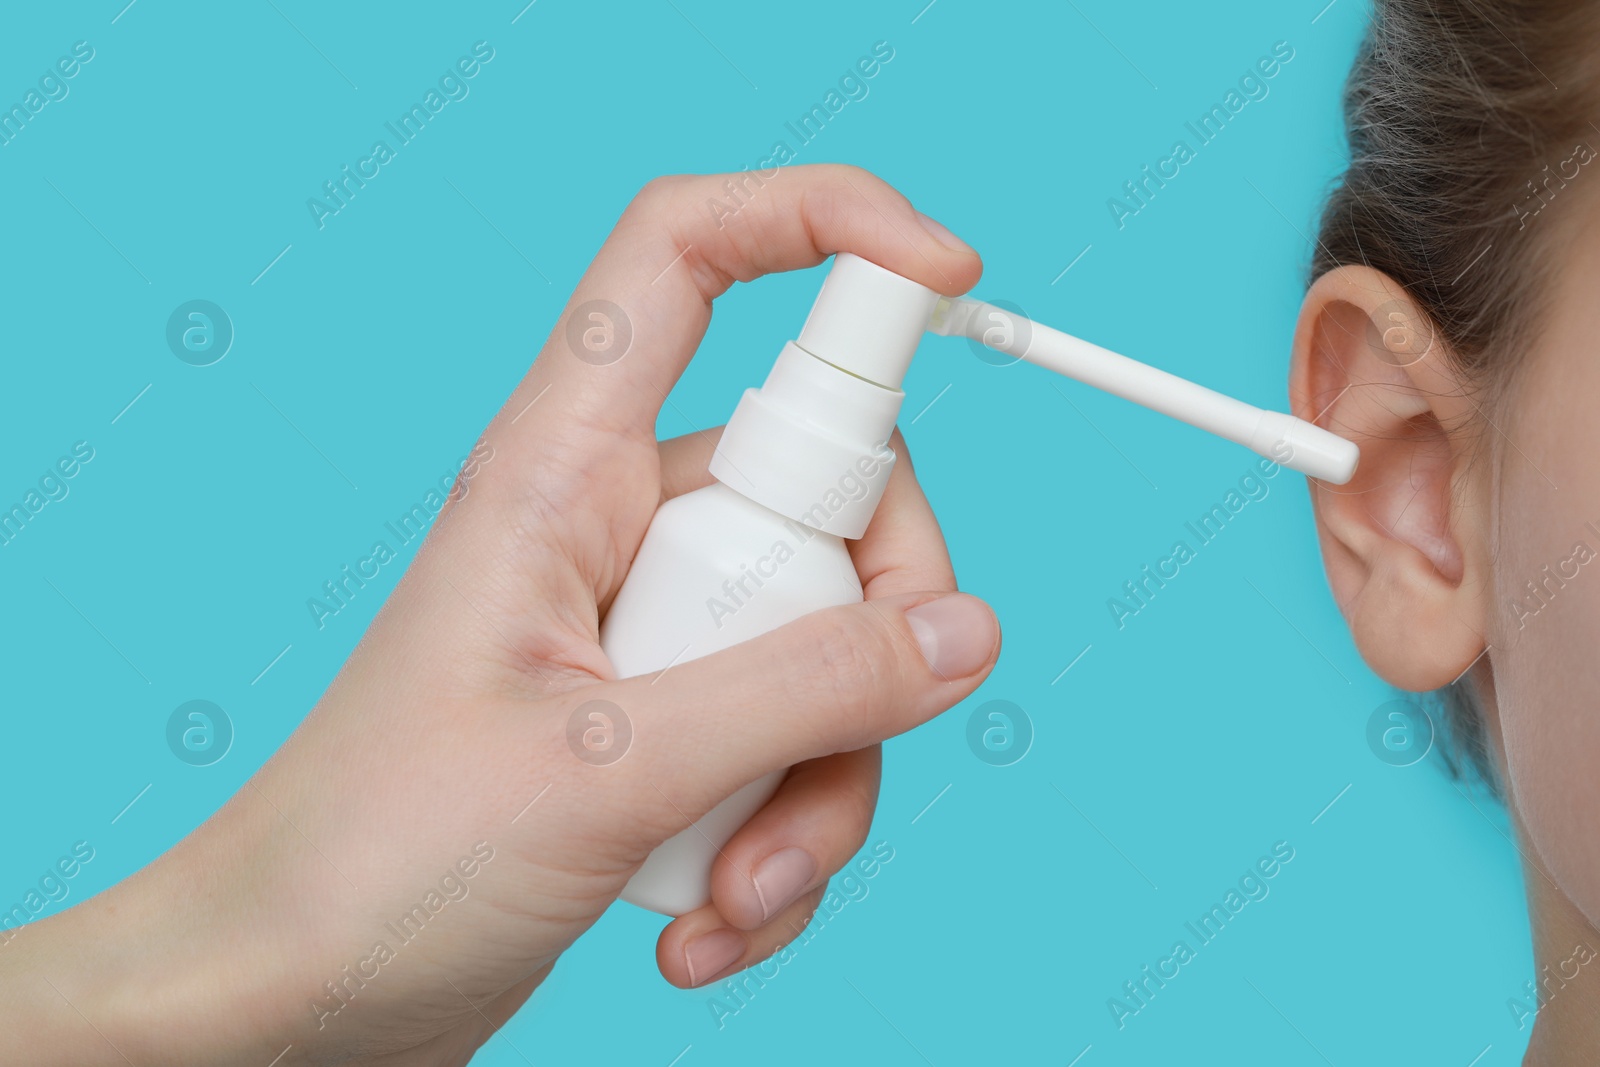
[[1451, 330]]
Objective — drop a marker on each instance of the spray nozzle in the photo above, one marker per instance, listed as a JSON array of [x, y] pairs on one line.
[[867, 321], [1295, 443]]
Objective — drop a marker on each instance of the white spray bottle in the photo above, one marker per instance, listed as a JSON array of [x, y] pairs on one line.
[[801, 467]]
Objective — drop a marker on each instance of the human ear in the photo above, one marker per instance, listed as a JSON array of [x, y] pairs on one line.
[[1405, 542]]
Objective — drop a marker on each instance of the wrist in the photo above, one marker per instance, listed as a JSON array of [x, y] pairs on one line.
[[164, 967], [99, 984]]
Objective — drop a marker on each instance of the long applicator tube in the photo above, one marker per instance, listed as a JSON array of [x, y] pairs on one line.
[[1292, 442]]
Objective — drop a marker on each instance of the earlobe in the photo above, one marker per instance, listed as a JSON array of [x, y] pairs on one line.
[[1403, 541]]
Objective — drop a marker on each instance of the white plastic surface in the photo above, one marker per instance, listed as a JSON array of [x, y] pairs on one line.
[[1295, 443], [698, 546], [811, 444], [867, 320]]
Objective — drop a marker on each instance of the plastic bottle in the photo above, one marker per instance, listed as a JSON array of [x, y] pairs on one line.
[[801, 467]]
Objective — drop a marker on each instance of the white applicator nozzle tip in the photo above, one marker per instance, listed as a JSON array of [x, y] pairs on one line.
[[1304, 447], [1284, 439]]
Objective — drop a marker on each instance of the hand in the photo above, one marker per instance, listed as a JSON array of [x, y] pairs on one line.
[[398, 878]]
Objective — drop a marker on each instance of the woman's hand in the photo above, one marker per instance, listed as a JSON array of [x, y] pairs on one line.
[[398, 878]]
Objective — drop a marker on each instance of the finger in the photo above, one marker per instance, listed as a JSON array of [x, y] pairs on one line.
[[686, 461], [671, 254], [903, 550], [700, 948], [816, 821], [833, 681]]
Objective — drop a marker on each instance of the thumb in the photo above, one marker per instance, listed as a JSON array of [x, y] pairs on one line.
[[836, 680]]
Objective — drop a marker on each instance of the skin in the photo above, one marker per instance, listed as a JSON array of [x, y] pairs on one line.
[[1463, 495], [445, 733]]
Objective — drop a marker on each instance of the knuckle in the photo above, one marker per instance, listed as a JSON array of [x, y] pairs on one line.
[[845, 650], [851, 661], [859, 182], [672, 207], [657, 193], [850, 172]]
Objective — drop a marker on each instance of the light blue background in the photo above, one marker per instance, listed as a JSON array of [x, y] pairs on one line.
[[1189, 742]]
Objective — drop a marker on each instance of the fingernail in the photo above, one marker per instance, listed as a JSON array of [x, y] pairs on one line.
[[782, 877], [956, 634], [944, 236], [710, 954]]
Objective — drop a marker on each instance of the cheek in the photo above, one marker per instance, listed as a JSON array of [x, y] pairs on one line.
[[1545, 636]]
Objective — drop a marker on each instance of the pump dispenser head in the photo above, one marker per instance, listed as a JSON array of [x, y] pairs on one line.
[[867, 321]]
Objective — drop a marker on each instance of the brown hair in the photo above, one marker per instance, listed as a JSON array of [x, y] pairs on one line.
[[1464, 121]]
